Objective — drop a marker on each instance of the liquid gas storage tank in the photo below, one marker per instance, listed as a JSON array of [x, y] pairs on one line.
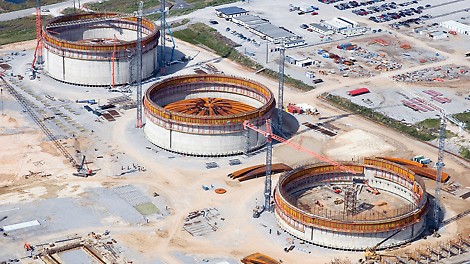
[[382, 202], [97, 49], [203, 115]]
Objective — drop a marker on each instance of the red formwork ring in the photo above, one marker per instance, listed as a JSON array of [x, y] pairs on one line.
[[168, 86], [290, 212], [127, 22]]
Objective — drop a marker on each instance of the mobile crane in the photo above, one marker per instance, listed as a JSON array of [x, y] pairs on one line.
[[83, 170], [371, 253]]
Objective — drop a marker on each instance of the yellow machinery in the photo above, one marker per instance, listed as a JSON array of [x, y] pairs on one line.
[[371, 253]]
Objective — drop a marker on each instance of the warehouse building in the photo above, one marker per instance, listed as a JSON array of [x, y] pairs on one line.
[[294, 43], [249, 21], [456, 26], [320, 29], [230, 12], [348, 21], [356, 31], [341, 24], [437, 35], [272, 33]]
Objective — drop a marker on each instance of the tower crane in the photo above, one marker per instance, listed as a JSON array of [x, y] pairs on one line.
[[439, 165], [440, 156], [139, 16], [162, 37], [38, 51], [280, 101], [139, 66], [270, 136]]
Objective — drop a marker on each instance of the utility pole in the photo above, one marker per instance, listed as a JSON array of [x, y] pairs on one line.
[[280, 101], [139, 66]]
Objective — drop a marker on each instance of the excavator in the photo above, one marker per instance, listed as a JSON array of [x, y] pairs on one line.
[[371, 253], [83, 170]]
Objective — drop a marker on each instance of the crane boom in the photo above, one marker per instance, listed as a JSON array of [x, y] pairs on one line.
[[249, 125]]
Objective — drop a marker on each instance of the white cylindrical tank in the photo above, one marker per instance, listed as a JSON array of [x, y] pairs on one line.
[[203, 115], [97, 49]]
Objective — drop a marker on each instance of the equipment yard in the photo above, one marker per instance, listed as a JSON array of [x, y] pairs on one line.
[[122, 144]]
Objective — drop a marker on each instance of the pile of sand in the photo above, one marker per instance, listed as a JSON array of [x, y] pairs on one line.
[[355, 144]]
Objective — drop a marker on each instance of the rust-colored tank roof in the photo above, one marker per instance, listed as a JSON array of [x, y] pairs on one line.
[[209, 107], [258, 258]]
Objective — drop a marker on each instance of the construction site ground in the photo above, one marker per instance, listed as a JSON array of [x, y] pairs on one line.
[[323, 198], [36, 182]]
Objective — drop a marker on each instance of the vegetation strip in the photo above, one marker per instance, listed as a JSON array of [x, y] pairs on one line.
[[203, 35]]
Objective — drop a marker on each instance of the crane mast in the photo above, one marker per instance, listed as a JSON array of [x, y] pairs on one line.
[[280, 101], [269, 161], [139, 66], [270, 136], [440, 157], [38, 51], [162, 38], [439, 165]]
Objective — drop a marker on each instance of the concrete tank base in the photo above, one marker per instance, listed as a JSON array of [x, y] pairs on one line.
[[204, 145], [352, 241]]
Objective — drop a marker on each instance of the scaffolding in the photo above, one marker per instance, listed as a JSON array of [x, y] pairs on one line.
[[350, 200]]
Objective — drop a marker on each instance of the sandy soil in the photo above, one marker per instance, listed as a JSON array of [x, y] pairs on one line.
[[357, 144], [29, 44]]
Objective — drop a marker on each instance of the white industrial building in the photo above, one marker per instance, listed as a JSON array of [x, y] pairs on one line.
[[249, 21], [321, 29], [456, 26], [272, 33], [348, 21], [265, 30], [339, 24], [301, 62], [356, 31], [437, 35], [294, 43]]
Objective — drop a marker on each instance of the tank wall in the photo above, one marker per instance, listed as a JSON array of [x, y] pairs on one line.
[[95, 72], [121, 34], [351, 241], [202, 144], [232, 96], [77, 34], [389, 182]]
